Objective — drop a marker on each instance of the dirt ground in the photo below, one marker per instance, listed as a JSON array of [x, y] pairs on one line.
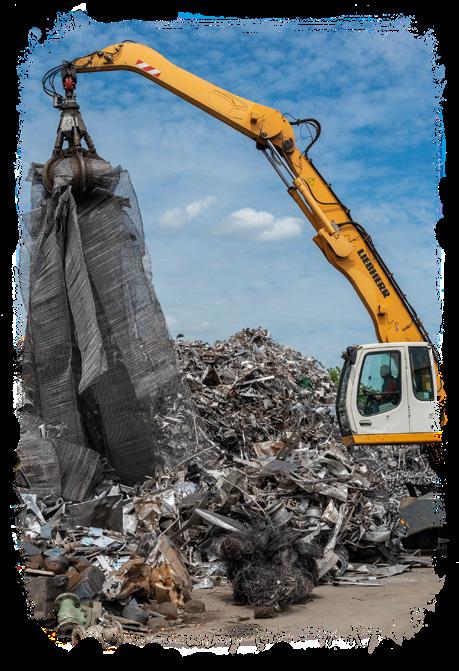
[[393, 609]]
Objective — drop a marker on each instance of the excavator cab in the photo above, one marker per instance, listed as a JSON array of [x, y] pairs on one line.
[[387, 395]]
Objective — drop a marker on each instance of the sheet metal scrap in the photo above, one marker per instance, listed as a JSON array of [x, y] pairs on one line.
[[258, 392]]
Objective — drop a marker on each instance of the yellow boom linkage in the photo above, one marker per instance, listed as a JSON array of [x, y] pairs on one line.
[[345, 243]]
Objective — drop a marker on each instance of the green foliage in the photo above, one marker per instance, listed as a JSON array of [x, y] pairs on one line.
[[334, 374]]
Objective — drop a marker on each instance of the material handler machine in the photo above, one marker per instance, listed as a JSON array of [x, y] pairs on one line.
[[390, 392]]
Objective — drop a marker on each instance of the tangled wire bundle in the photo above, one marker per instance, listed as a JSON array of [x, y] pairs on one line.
[[269, 567]]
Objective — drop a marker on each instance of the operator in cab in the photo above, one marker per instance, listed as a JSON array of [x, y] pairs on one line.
[[390, 390]]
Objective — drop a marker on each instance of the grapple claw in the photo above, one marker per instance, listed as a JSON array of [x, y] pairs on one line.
[[72, 130]]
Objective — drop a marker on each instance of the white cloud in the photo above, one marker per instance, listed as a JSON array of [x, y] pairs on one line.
[[288, 227], [179, 216], [248, 219], [262, 225]]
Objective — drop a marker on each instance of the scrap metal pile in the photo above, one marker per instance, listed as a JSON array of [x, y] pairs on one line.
[[251, 390], [278, 498]]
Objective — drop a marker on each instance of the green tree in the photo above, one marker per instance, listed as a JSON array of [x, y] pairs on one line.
[[334, 374]]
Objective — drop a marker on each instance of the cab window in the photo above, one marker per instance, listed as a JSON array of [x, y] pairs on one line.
[[379, 388], [421, 373]]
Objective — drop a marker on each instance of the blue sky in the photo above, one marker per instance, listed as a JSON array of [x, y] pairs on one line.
[[229, 248]]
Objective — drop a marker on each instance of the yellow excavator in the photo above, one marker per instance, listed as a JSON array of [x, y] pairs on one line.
[[390, 392]]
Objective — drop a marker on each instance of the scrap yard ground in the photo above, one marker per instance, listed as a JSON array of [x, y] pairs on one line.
[[393, 609]]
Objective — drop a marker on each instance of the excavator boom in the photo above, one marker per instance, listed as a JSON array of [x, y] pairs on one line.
[[344, 242]]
